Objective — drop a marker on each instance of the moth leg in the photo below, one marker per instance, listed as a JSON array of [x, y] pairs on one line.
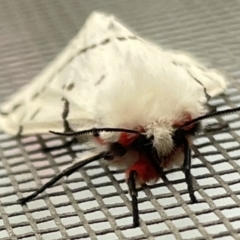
[[215, 126], [187, 170], [133, 193], [65, 145], [65, 173]]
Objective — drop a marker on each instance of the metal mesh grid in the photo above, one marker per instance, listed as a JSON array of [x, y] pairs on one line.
[[93, 203]]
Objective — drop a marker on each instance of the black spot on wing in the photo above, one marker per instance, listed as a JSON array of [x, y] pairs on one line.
[[92, 47], [14, 108], [35, 114], [84, 50], [176, 63], [20, 130], [121, 38], [81, 51], [35, 95], [70, 86], [126, 38], [4, 113], [65, 113], [45, 86], [104, 42], [181, 64], [100, 80]]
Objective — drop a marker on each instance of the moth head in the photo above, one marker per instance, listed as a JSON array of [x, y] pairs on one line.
[[158, 135], [161, 134]]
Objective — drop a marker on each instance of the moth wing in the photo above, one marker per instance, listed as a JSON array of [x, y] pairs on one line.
[[148, 83], [107, 75], [61, 97]]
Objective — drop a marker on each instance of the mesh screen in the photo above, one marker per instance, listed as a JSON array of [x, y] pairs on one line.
[[94, 203]]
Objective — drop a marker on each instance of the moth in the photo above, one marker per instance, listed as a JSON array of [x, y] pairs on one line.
[[137, 104]]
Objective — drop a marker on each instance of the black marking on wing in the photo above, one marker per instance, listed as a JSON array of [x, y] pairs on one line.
[[100, 80], [20, 130], [104, 42], [45, 86], [42, 89], [204, 89], [4, 113], [92, 47], [65, 113], [35, 114], [180, 64], [121, 38], [35, 95], [81, 51], [86, 49], [70, 86], [176, 63], [127, 38], [15, 107]]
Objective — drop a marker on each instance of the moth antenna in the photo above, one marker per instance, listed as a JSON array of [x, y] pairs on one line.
[[93, 131], [219, 113], [65, 173]]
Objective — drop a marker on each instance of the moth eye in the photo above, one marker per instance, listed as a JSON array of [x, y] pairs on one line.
[[151, 138], [118, 149], [95, 133], [149, 141]]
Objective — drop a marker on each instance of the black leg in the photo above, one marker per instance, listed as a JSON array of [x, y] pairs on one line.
[[216, 127], [133, 193], [65, 173], [65, 145], [187, 170]]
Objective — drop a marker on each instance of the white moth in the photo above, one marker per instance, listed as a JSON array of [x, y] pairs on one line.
[[142, 103]]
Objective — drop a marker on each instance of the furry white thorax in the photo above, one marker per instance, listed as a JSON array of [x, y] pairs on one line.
[[144, 93]]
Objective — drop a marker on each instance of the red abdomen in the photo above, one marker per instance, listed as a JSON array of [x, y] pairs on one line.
[[145, 170]]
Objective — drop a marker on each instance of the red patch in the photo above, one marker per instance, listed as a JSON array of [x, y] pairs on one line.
[[126, 139], [99, 140], [186, 118], [145, 171]]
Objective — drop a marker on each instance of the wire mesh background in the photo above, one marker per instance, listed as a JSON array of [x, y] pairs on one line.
[[94, 203]]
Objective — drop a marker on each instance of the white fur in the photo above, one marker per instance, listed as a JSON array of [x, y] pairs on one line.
[[125, 82]]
